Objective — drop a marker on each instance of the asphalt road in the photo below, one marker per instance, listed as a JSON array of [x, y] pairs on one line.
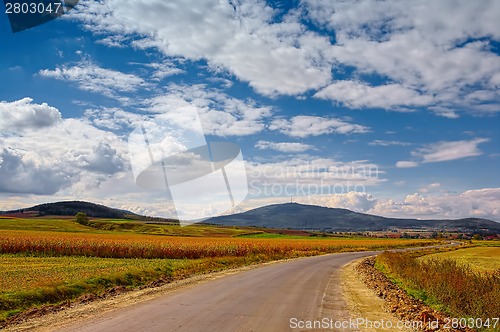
[[275, 297]]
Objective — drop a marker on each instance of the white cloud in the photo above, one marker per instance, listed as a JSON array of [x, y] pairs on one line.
[[162, 69], [91, 77], [220, 114], [287, 147], [354, 201], [480, 203], [355, 94], [406, 164], [273, 57], [430, 187], [428, 53], [24, 114], [444, 112], [378, 142], [310, 176], [21, 174], [102, 159], [444, 151], [433, 47], [303, 126], [113, 119], [72, 156]]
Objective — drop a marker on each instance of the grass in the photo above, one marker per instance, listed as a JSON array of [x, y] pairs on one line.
[[491, 243], [445, 284], [50, 281], [122, 245], [263, 235], [111, 226], [22, 272], [480, 259], [42, 224], [52, 260]]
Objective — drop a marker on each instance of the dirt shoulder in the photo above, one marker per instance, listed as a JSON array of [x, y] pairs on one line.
[[379, 296], [364, 304], [50, 318]]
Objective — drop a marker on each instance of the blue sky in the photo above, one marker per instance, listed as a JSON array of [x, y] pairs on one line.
[[382, 107]]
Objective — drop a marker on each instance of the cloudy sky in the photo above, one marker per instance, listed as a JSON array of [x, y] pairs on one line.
[[384, 107]]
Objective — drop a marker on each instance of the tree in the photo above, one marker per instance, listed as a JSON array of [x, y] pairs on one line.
[[82, 218], [477, 237]]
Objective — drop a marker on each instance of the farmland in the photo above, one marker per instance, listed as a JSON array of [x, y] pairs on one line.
[[464, 283], [50, 260], [481, 259]]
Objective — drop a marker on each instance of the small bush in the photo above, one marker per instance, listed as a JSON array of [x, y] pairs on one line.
[[82, 218]]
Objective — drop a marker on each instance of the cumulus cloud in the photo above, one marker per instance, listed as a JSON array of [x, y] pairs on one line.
[[22, 175], [162, 69], [430, 52], [220, 114], [430, 187], [274, 57], [73, 155], [102, 159], [304, 126], [354, 201], [480, 203], [427, 53], [24, 114], [91, 77], [310, 176], [288, 147], [113, 119], [359, 95]]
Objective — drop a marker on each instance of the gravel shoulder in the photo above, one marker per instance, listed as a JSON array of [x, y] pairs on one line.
[[94, 307], [363, 303]]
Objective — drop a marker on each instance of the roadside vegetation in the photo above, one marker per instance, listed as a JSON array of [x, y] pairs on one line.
[[479, 259], [452, 282], [55, 260]]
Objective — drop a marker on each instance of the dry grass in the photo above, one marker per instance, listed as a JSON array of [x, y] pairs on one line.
[[47, 261], [148, 246], [455, 288], [481, 259]]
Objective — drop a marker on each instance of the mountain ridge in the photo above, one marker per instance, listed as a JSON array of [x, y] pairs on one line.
[[93, 210], [284, 216], [312, 217]]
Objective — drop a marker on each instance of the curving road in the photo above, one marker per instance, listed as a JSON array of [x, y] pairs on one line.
[[268, 298]]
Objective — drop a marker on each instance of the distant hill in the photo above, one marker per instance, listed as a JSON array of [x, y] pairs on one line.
[[311, 217], [71, 208]]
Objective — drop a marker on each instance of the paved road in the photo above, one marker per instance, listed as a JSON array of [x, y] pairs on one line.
[[261, 299]]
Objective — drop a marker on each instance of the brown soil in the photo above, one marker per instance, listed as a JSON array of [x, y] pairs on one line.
[[363, 303], [399, 303]]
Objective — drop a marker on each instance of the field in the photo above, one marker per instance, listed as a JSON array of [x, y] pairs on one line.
[[51, 260], [481, 259], [464, 283]]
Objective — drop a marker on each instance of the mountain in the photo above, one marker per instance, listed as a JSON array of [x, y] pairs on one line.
[[71, 208], [311, 217]]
